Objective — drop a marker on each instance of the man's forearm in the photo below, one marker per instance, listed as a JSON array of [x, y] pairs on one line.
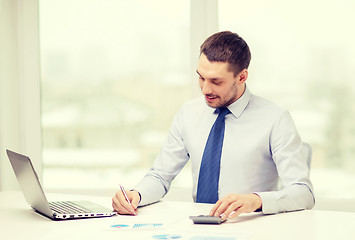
[[292, 198], [151, 189]]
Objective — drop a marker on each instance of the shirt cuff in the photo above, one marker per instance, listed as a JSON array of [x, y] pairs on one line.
[[150, 192], [268, 200]]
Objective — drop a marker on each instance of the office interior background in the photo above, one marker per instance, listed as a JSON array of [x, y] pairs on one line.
[[89, 88]]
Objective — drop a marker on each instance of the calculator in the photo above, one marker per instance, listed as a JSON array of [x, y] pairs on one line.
[[206, 219]]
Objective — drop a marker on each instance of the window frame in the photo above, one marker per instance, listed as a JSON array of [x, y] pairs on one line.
[[20, 121]]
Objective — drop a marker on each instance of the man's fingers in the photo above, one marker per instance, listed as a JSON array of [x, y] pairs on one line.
[[223, 204], [120, 204], [119, 207], [215, 207], [222, 207], [135, 198], [233, 207], [237, 212]]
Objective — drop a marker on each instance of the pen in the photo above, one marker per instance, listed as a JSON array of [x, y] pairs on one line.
[[126, 197]]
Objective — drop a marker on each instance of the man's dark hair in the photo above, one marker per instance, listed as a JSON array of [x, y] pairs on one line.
[[227, 47]]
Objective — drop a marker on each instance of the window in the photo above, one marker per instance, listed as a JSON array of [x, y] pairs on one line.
[[302, 59], [114, 73]]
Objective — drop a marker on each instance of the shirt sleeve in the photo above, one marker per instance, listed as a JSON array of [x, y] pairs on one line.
[[292, 160], [168, 164]]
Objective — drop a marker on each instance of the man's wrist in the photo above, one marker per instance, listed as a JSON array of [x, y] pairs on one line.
[[140, 196], [260, 203]]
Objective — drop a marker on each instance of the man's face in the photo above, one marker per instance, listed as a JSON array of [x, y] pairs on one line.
[[219, 85]]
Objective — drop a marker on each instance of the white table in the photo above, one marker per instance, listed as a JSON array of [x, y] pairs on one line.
[[19, 221]]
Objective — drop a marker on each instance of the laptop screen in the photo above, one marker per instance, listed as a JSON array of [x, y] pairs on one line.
[[29, 182]]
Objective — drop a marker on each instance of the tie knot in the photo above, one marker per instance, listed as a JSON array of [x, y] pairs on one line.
[[222, 111]]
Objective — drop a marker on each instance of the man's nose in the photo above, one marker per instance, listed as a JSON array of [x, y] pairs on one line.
[[206, 87]]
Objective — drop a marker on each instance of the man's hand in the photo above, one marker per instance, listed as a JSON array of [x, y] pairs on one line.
[[233, 205], [120, 204]]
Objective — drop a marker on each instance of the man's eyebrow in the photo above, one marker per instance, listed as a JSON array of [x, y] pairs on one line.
[[213, 79]]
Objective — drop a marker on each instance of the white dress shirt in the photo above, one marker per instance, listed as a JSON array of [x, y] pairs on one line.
[[262, 153]]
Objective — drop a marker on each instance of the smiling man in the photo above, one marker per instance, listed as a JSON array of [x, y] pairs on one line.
[[220, 86], [245, 152]]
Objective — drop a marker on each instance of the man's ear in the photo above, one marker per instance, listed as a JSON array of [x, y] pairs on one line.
[[243, 75]]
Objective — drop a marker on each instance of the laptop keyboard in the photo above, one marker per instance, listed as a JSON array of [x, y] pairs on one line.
[[67, 207]]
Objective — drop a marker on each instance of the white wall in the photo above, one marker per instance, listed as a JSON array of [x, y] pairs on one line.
[[19, 85]]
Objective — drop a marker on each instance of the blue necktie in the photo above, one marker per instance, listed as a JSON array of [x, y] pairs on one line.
[[207, 188]]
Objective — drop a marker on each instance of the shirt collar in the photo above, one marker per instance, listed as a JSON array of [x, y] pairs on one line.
[[238, 106]]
